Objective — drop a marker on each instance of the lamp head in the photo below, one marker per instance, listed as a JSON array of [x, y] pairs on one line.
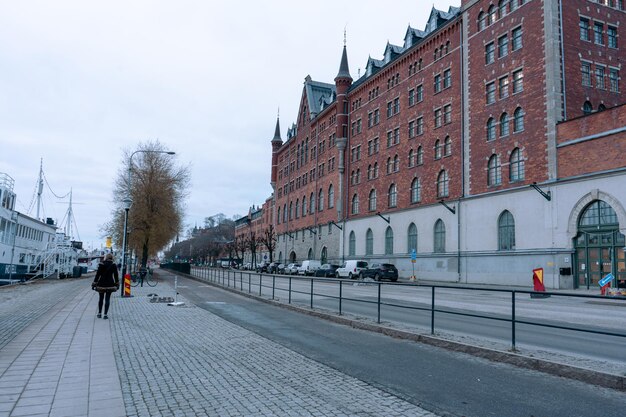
[[127, 203]]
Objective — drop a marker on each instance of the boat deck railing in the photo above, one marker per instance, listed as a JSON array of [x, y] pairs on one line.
[[6, 181]]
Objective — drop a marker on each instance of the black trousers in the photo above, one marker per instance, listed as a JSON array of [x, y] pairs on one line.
[[106, 297]]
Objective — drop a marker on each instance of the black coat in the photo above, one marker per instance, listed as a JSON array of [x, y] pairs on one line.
[[107, 278]]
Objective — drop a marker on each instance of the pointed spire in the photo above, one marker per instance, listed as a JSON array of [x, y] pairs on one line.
[[344, 69], [277, 137]]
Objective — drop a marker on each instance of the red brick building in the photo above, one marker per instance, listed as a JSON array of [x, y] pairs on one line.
[[482, 148]]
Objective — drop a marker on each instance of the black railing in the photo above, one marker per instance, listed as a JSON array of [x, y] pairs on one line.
[[230, 278]]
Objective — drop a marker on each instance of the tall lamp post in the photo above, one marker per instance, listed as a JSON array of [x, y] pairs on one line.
[[127, 203], [14, 220], [128, 200]]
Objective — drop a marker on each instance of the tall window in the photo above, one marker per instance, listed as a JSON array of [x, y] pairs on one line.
[[396, 163], [355, 204], [416, 190], [442, 184], [369, 242], [494, 171], [516, 166], [490, 53], [372, 200], [411, 158], [600, 75], [482, 21], [290, 210], [506, 231], [285, 213], [598, 35], [393, 196], [447, 78], [297, 208], [389, 241], [516, 42], [331, 196], [412, 238], [503, 46], [420, 156], [490, 93], [503, 84], [585, 70], [320, 203], [303, 206], [584, 29], [439, 237], [492, 14], [491, 129], [502, 8], [278, 217], [312, 203], [504, 125], [437, 149], [612, 36], [447, 146], [614, 79], [518, 81], [518, 120], [352, 244]]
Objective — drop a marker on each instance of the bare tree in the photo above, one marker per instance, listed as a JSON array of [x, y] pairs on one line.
[[157, 188], [253, 244], [268, 238]]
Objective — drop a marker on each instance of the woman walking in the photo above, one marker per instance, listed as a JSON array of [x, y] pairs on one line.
[[106, 282]]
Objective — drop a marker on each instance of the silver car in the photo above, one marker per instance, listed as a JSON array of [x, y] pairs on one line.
[[292, 269]]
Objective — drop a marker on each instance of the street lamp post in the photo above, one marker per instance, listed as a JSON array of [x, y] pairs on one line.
[[128, 201], [14, 220]]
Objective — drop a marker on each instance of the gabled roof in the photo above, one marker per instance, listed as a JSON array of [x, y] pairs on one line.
[[318, 96], [391, 52]]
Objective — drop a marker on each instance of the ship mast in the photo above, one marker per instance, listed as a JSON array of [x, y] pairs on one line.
[[40, 188]]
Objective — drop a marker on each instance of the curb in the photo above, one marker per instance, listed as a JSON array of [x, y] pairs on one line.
[[589, 376]]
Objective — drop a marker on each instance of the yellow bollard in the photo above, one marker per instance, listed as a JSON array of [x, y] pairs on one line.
[[127, 285]]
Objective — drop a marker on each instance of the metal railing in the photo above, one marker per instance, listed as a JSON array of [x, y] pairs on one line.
[[261, 284]]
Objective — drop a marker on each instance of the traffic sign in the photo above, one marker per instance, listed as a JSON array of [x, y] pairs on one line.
[[608, 278], [413, 255]]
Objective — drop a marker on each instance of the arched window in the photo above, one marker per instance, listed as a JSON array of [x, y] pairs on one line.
[[506, 231], [309, 255], [389, 165], [494, 171], [303, 206], [291, 210], [599, 214], [355, 204], [298, 157], [492, 14], [447, 146], [412, 238], [504, 125], [389, 241], [393, 195], [372, 200], [420, 156], [442, 184], [601, 107], [502, 8], [411, 158], [278, 217], [396, 163], [416, 191], [370, 172], [482, 21], [440, 236], [375, 169], [351, 244], [518, 120], [437, 149], [320, 203], [285, 212], [297, 208], [516, 166], [324, 256], [306, 151], [587, 107], [369, 242], [358, 176], [491, 129], [331, 196]]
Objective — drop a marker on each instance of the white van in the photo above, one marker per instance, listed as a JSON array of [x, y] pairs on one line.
[[351, 269], [309, 267]]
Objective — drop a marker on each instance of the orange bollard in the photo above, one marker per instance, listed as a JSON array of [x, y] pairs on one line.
[[127, 285]]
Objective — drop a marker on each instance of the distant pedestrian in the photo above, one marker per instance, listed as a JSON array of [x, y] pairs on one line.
[[106, 282]]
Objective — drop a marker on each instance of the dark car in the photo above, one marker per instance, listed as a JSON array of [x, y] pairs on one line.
[[327, 271], [262, 267], [272, 268], [380, 271]]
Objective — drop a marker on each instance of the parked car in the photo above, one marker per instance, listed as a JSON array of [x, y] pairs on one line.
[[351, 269], [327, 271], [380, 271], [292, 269], [247, 266], [309, 267], [262, 267], [272, 268], [280, 268]]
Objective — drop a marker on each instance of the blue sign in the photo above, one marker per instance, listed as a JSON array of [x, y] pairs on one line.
[[413, 254], [608, 278]]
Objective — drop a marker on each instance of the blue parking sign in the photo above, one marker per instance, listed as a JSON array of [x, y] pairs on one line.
[[608, 278], [413, 254]]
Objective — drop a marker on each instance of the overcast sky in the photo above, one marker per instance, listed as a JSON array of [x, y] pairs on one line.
[[82, 80]]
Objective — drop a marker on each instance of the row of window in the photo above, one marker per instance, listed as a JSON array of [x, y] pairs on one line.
[[306, 209], [506, 237], [616, 4], [504, 124], [598, 32], [517, 171], [517, 81], [503, 46], [495, 13], [600, 76]]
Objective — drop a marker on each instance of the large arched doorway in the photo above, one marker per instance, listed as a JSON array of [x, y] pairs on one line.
[[599, 246], [309, 256], [324, 256], [292, 257]]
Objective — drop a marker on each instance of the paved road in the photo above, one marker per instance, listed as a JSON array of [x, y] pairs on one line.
[[168, 361], [447, 383]]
